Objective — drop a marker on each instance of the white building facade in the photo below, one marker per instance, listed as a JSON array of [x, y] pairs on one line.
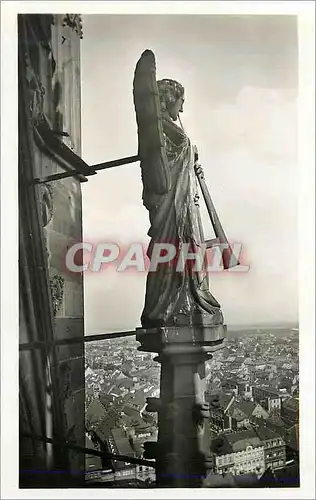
[[243, 462]]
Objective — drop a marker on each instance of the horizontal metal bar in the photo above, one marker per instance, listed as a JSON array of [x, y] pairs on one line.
[[116, 163], [62, 175], [90, 451], [106, 336], [75, 340], [83, 178]]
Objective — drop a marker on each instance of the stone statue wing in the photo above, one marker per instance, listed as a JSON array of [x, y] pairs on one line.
[[151, 143]]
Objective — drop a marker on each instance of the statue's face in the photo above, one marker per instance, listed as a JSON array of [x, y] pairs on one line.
[[176, 108]]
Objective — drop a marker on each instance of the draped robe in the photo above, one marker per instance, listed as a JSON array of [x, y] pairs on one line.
[[175, 218]]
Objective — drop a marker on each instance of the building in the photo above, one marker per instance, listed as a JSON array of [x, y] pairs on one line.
[[286, 477], [93, 463], [120, 444], [274, 447], [231, 385], [249, 451], [229, 413], [51, 385], [95, 413], [240, 452], [141, 435], [218, 403], [268, 397], [242, 412], [289, 410]]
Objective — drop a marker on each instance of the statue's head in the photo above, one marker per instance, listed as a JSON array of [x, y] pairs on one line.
[[171, 94]]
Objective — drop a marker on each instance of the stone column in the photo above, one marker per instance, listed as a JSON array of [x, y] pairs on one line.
[[183, 447]]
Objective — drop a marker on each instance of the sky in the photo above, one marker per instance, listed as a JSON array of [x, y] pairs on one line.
[[240, 79]]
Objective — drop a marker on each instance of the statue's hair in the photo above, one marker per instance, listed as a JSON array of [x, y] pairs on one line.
[[169, 92]]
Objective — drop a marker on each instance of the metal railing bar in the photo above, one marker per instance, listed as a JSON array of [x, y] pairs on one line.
[[82, 175], [75, 340], [116, 163], [106, 336], [91, 451]]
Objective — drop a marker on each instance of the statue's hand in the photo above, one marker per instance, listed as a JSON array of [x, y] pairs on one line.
[[199, 170], [196, 153]]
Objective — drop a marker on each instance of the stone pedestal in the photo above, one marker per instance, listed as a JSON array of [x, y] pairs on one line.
[[182, 449]]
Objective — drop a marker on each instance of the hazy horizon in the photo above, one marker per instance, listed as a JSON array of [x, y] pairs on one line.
[[285, 325], [240, 78]]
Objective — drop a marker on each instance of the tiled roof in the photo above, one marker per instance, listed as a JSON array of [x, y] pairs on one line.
[[291, 403], [240, 440], [267, 388], [103, 430], [139, 398], [220, 445], [265, 433], [246, 407], [276, 421], [121, 442], [237, 415], [95, 411], [125, 382], [220, 398], [131, 412]]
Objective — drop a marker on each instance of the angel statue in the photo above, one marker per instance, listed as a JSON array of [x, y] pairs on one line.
[[170, 194]]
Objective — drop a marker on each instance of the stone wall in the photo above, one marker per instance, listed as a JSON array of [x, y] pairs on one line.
[[51, 298]]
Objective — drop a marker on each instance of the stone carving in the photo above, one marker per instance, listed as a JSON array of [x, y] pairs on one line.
[[58, 109], [46, 202], [170, 194], [200, 414], [36, 91], [66, 379], [74, 21], [46, 207], [56, 284], [33, 55]]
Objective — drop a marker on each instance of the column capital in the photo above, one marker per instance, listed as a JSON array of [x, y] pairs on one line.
[[181, 340]]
